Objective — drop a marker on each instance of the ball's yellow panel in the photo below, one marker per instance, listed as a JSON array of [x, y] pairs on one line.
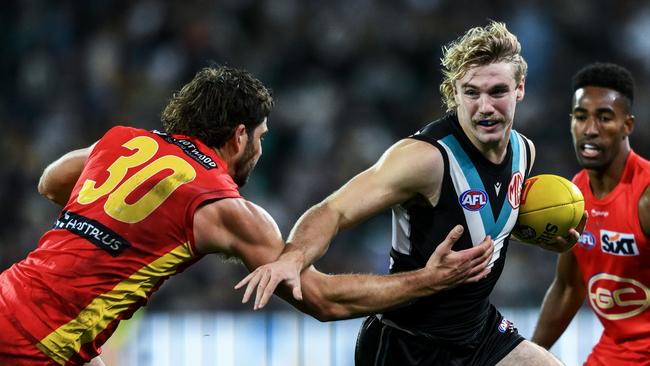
[[550, 206]]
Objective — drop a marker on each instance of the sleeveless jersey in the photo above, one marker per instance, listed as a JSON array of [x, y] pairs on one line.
[[614, 256], [127, 227], [484, 198]]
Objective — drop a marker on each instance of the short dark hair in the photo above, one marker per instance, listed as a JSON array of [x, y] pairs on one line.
[[606, 75], [217, 100]]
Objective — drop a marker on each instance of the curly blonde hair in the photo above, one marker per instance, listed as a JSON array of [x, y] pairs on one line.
[[477, 47]]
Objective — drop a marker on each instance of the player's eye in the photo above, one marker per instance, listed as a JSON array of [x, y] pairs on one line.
[[605, 118], [579, 117], [499, 92], [471, 93]]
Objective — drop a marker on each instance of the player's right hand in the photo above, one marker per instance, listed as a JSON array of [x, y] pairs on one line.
[[266, 279], [451, 268], [563, 244]]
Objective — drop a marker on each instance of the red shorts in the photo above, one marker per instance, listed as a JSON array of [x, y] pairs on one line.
[[607, 352]]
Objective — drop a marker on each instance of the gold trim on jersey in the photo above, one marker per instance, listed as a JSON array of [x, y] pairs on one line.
[[66, 341]]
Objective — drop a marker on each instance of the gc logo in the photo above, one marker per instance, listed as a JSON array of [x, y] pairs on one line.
[[615, 298]]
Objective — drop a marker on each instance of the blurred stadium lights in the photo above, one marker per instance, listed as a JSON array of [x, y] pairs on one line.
[[284, 338]]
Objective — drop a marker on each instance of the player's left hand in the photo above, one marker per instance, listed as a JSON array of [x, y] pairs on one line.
[[266, 279], [562, 244]]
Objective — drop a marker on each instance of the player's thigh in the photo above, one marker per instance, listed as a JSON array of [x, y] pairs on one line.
[[529, 354]]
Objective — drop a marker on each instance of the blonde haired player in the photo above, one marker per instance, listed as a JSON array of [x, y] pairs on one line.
[[466, 168]]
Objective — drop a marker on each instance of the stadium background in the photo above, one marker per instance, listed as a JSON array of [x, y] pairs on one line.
[[349, 78]]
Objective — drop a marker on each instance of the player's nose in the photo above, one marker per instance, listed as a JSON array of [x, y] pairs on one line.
[[591, 126], [485, 106]]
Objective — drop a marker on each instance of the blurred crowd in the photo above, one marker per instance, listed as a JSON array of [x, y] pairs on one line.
[[350, 77]]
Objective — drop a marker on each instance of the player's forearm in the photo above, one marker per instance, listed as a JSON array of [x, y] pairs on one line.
[[310, 237], [334, 297], [558, 309]]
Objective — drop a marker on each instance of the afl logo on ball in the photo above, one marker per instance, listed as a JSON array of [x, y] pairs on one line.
[[473, 199], [514, 189]]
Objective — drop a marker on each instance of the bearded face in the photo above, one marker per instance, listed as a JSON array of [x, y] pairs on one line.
[[244, 166]]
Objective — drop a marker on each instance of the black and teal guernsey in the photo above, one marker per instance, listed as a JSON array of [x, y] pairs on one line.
[[476, 193]]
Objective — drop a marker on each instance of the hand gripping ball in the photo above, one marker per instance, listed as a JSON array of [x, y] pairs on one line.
[[550, 206]]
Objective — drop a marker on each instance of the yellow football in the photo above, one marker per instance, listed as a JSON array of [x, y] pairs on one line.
[[550, 206]]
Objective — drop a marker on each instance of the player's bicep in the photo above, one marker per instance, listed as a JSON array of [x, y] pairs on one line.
[[261, 244], [408, 168], [362, 197], [237, 227]]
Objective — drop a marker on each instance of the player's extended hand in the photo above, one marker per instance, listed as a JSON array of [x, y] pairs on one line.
[[562, 244], [267, 277], [452, 268]]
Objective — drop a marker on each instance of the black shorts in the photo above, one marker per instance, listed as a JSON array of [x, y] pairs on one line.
[[379, 344]]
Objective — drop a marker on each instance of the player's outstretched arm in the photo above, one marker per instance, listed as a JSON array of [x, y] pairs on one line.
[[58, 178], [238, 227], [351, 295], [562, 301], [408, 168]]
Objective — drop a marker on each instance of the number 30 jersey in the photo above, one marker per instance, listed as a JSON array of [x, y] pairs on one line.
[[127, 227]]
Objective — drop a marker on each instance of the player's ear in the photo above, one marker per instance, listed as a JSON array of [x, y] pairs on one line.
[[239, 138], [628, 125], [521, 89]]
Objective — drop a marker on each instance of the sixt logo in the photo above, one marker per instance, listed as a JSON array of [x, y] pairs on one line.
[[614, 297], [473, 199], [587, 240], [618, 243]]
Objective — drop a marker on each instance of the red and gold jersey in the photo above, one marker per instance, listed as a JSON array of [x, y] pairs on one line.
[[127, 227], [614, 255]]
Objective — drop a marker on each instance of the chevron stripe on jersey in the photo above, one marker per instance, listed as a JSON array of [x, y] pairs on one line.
[[476, 193], [466, 177]]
